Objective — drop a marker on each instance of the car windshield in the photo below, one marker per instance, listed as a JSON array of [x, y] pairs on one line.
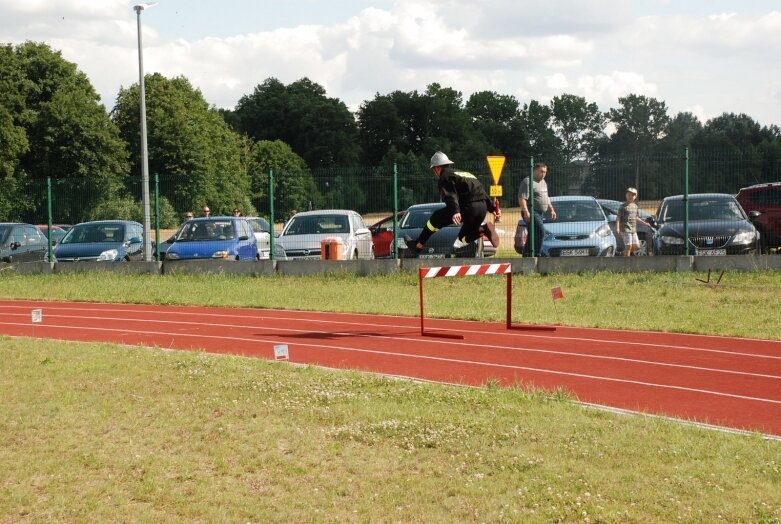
[[702, 209], [417, 218], [199, 230], [90, 233], [317, 225], [577, 211], [259, 225]]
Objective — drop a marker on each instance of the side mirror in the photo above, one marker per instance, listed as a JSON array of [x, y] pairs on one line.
[[243, 237], [135, 240], [363, 231], [14, 246], [753, 215]]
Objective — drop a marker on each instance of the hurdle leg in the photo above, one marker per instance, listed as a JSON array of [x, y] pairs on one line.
[[423, 332]]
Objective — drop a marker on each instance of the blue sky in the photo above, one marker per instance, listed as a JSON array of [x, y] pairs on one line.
[[704, 57]]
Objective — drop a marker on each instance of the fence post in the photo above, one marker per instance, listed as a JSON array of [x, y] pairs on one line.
[[49, 211], [686, 201], [395, 210], [271, 214], [531, 208], [157, 217]]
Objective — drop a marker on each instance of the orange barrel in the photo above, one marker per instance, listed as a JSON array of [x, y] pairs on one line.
[[331, 248]]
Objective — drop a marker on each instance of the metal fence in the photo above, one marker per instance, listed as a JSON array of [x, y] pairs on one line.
[[378, 192]]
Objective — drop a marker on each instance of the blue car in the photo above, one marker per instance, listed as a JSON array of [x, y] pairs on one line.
[[215, 238], [103, 241], [580, 229]]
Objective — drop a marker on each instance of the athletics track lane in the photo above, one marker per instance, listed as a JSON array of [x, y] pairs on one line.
[[730, 382]]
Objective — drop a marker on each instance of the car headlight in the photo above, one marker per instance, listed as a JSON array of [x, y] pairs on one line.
[[220, 254], [171, 256], [666, 239], [744, 237], [109, 255], [401, 244], [604, 230]]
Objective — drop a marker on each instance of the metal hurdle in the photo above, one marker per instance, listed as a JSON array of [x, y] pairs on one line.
[[504, 268]]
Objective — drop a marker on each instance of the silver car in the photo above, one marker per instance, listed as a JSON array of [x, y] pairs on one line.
[[306, 233], [263, 231]]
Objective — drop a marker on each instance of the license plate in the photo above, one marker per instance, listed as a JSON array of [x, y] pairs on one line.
[[435, 255], [711, 252], [574, 252]]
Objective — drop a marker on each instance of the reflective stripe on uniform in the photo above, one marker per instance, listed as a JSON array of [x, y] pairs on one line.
[[430, 227], [464, 174]]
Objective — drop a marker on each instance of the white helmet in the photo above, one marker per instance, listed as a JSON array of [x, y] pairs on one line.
[[440, 159]]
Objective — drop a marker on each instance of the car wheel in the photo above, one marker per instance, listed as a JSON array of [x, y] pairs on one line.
[[643, 251], [355, 255]]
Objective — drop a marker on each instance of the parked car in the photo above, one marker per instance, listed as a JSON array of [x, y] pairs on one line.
[[644, 233], [57, 233], [580, 229], [210, 238], [304, 232], [103, 240], [22, 243], [263, 234], [762, 203], [440, 244], [717, 226], [382, 235]]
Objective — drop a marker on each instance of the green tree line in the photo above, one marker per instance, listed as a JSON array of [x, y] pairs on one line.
[[52, 125]]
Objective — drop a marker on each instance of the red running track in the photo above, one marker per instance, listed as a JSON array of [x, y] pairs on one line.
[[729, 382]]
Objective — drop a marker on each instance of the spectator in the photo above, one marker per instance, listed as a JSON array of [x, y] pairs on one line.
[[236, 212], [205, 211], [626, 222], [540, 205], [188, 215]]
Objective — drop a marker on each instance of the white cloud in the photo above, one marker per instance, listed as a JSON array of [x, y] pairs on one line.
[[711, 61]]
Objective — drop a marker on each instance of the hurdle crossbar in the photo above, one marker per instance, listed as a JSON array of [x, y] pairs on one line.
[[504, 268]]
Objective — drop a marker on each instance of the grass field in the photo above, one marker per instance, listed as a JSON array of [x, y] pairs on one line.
[[96, 432]]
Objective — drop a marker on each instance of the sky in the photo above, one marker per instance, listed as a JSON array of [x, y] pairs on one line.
[[706, 57]]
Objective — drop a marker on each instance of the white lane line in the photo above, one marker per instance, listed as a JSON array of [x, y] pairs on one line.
[[412, 325], [501, 333], [431, 358], [448, 343]]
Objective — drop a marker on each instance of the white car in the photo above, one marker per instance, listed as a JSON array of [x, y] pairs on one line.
[[262, 230], [304, 234]]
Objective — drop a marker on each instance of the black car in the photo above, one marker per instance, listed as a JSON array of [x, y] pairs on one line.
[[440, 244], [22, 243], [717, 226], [644, 234]]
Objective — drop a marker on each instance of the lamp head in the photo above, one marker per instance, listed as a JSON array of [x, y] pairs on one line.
[[140, 7]]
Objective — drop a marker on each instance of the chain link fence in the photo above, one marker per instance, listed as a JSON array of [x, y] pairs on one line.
[[377, 193]]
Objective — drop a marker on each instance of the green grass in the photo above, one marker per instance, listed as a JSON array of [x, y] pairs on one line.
[[98, 432]]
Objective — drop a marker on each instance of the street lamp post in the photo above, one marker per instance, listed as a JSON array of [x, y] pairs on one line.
[[144, 154]]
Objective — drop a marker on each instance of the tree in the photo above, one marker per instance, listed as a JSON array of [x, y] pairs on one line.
[[294, 186], [200, 159], [578, 125], [67, 133], [640, 123], [319, 129], [536, 122], [497, 118]]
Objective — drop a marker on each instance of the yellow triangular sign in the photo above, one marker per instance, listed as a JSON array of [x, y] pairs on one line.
[[496, 164]]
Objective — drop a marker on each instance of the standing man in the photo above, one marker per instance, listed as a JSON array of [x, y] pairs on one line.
[[466, 203], [626, 222], [540, 205]]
